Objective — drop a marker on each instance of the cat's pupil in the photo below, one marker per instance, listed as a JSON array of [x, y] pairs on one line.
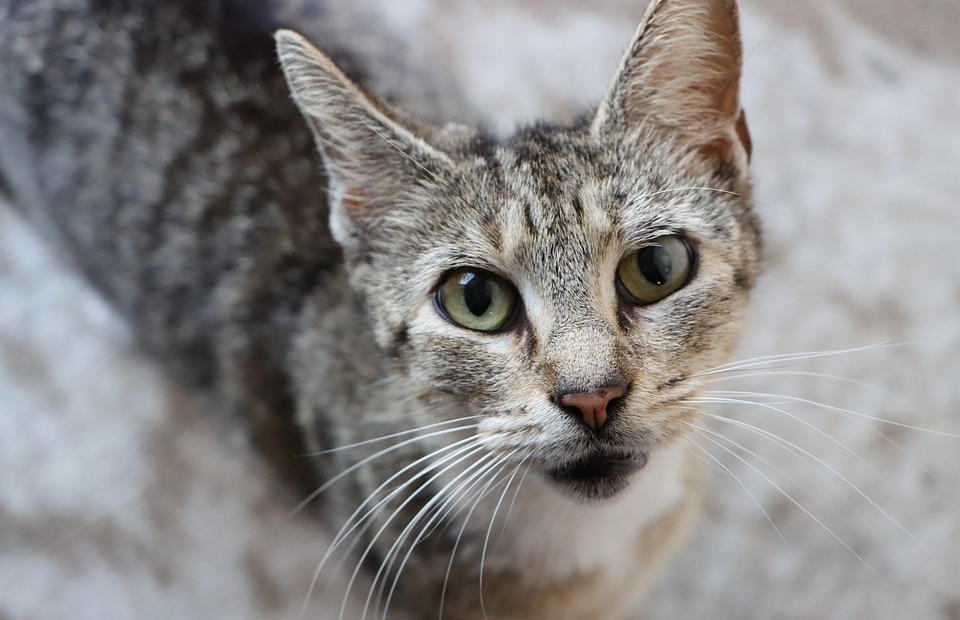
[[477, 293], [655, 264]]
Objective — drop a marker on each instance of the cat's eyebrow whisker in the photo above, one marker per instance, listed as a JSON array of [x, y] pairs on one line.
[[699, 430], [409, 431], [329, 483], [780, 440], [433, 175], [793, 500], [687, 189], [398, 149]]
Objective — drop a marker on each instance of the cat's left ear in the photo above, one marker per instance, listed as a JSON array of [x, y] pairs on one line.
[[682, 73], [371, 159]]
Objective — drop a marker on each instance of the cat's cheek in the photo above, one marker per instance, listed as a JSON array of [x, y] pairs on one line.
[[472, 367]]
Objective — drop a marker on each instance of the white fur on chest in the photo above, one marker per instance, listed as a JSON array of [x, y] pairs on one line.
[[551, 536]]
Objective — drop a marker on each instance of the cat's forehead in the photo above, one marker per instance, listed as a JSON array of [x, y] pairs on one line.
[[554, 194]]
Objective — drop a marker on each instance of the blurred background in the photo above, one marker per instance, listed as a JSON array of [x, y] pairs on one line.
[[120, 499]]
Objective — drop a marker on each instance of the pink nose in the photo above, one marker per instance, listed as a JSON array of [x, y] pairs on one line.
[[591, 406]]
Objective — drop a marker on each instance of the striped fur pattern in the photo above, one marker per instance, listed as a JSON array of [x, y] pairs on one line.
[[189, 193]]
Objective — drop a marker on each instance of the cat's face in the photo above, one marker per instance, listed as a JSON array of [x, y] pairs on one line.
[[566, 285], [563, 265]]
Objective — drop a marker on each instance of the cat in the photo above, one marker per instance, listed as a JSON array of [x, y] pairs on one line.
[[488, 346]]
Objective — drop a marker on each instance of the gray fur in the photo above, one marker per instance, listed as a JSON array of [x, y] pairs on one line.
[[157, 143]]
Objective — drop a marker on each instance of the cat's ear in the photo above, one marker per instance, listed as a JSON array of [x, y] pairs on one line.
[[682, 72], [370, 157]]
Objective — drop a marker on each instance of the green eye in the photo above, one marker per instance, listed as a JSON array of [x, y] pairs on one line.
[[476, 299], [655, 271]]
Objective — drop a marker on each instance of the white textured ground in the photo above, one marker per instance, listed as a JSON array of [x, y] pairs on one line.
[[119, 499]]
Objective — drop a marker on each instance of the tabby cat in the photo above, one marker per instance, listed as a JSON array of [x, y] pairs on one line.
[[488, 346]]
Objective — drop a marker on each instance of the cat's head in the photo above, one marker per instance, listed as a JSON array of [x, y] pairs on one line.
[[565, 284]]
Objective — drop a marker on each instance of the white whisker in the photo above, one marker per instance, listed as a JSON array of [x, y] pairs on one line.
[[850, 412], [794, 502], [793, 373], [486, 539], [830, 468], [765, 360], [440, 513], [806, 457], [458, 449], [396, 512], [796, 418], [329, 483], [700, 431], [410, 431], [463, 527]]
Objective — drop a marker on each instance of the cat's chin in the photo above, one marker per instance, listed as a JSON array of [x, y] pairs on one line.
[[598, 476]]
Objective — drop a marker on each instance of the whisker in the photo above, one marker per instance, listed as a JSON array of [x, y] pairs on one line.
[[515, 494], [791, 449], [700, 431], [794, 502], [776, 438], [458, 449], [794, 373], [329, 483], [456, 192], [486, 539], [439, 513], [796, 418], [789, 357], [456, 544], [410, 431], [850, 412], [689, 189], [397, 511]]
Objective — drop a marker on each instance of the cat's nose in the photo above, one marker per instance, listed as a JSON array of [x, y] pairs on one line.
[[591, 407]]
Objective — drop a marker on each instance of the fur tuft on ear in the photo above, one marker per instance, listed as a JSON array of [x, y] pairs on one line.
[[682, 72], [369, 157]]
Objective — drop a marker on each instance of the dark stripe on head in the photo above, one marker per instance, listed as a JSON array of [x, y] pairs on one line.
[[398, 341]]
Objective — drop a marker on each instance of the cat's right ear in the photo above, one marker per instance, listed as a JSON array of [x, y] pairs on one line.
[[370, 158]]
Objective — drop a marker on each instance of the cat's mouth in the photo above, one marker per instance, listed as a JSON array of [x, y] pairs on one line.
[[600, 475]]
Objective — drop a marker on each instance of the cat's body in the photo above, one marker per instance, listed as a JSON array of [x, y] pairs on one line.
[[164, 154]]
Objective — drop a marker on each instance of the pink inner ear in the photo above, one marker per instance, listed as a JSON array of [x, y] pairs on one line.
[[355, 202], [744, 134], [728, 108]]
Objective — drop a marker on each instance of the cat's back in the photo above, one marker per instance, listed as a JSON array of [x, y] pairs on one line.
[[142, 143], [156, 142]]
